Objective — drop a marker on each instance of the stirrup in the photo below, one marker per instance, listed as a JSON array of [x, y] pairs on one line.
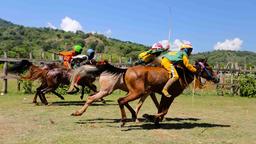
[[165, 92]]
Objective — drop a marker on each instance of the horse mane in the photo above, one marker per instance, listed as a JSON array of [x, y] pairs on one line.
[[104, 66]]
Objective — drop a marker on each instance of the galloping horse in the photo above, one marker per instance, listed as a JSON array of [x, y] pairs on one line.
[[110, 79], [51, 76], [142, 80]]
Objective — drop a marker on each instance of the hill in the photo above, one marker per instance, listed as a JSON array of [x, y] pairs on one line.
[[223, 58], [19, 40]]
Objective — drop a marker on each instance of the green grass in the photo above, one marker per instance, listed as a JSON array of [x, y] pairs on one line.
[[198, 119]]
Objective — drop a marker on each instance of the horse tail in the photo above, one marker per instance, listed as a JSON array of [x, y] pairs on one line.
[[35, 73]]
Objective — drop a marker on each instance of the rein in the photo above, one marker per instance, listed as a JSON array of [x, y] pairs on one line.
[[206, 70]]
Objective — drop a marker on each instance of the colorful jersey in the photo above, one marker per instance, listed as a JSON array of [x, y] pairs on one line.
[[67, 57], [180, 57], [150, 55]]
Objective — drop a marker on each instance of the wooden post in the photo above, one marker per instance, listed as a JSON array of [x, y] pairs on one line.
[[42, 55], [101, 56], [232, 84], [18, 81], [110, 59], [30, 55], [130, 61], [120, 61], [53, 56], [4, 90]]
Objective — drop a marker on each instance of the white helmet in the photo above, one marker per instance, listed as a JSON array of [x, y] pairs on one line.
[[164, 44]]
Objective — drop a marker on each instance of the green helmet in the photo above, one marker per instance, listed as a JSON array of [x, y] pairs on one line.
[[77, 48]]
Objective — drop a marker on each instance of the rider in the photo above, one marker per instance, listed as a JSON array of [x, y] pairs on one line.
[[180, 57], [67, 55], [90, 53], [156, 50]]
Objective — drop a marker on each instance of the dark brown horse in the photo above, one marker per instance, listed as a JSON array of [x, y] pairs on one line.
[[51, 76], [142, 80]]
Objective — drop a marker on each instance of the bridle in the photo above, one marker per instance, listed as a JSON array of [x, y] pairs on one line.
[[209, 75]]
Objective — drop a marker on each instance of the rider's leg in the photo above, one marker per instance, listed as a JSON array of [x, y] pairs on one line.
[[172, 72]]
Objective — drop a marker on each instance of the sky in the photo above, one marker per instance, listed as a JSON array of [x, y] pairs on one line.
[[207, 24]]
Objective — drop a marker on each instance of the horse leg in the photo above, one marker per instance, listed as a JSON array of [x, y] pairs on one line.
[[57, 94], [73, 92], [38, 93], [42, 98], [94, 89], [134, 115], [89, 101], [44, 91], [154, 99], [165, 104], [82, 93], [123, 101], [138, 106]]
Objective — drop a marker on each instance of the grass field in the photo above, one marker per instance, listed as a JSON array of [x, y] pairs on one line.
[[198, 119]]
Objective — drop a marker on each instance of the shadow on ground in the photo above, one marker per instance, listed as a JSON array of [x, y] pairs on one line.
[[81, 103], [169, 123], [105, 120], [175, 126]]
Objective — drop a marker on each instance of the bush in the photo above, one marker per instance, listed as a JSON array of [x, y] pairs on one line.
[[247, 85], [27, 87]]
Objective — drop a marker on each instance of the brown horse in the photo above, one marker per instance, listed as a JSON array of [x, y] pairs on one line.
[[51, 76], [142, 80], [110, 79]]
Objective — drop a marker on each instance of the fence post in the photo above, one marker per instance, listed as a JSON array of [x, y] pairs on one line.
[[110, 59], [18, 81], [30, 56], [53, 56], [42, 55], [120, 61], [4, 90]]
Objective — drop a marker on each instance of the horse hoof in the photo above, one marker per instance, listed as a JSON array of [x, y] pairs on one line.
[[121, 125], [36, 103], [149, 118], [157, 125], [137, 121], [76, 114], [134, 119], [103, 101]]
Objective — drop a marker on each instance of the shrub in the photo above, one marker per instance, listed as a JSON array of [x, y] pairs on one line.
[[247, 85]]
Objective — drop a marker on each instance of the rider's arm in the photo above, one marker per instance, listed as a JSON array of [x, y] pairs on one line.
[[187, 64], [67, 53]]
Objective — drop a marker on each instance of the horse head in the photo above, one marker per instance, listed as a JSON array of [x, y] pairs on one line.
[[206, 71], [20, 67]]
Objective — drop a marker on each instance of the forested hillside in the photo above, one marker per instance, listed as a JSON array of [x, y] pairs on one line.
[[19, 40], [224, 57]]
